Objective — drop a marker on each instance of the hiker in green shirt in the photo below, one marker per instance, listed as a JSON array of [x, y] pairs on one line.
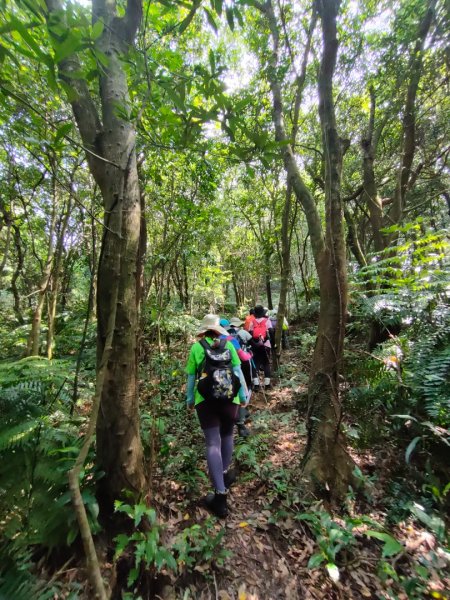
[[216, 388]]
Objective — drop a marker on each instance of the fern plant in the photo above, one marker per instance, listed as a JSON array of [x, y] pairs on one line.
[[427, 369], [39, 441]]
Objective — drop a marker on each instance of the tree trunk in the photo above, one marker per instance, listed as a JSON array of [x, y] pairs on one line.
[[55, 281], [110, 146], [409, 117], [34, 337], [285, 270], [326, 460], [268, 280], [19, 266], [370, 192], [353, 240]]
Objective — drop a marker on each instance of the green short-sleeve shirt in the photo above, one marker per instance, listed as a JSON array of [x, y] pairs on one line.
[[196, 359]]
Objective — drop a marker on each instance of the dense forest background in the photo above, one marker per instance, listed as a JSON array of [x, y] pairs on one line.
[[164, 160]]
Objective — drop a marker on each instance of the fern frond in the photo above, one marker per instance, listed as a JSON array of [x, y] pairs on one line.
[[18, 435]]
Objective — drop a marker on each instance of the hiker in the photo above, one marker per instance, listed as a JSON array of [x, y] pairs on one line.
[[240, 338], [273, 314], [216, 387], [249, 318], [261, 331]]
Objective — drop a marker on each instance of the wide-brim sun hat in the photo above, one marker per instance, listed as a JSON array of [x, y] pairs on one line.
[[211, 323], [236, 322]]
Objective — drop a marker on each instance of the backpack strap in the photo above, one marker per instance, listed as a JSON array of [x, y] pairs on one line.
[[204, 344]]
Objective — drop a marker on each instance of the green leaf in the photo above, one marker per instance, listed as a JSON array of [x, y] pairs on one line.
[[132, 576], [239, 17], [97, 29], [26, 36], [139, 511], [390, 547], [212, 60], [62, 131], [72, 534], [69, 46], [211, 19], [101, 57], [315, 561], [176, 99], [217, 5], [122, 541], [411, 446], [230, 17]]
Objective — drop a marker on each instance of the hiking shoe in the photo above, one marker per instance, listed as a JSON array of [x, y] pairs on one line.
[[243, 432], [229, 478], [217, 503]]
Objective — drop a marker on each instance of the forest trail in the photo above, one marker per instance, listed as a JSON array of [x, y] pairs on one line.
[[269, 541], [269, 549]]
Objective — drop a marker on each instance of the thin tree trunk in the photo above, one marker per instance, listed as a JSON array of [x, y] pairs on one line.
[[326, 460], [34, 337], [409, 117], [370, 192], [267, 276], [55, 280], [353, 240], [285, 271], [17, 272], [6, 249], [302, 265]]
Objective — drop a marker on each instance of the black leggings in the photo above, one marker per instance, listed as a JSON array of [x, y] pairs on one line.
[[262, 363], [248, 371]]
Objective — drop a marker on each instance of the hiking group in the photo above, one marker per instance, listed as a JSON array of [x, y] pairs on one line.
[[224, 368]]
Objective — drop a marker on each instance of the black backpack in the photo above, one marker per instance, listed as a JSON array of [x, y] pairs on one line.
[[216, 379]]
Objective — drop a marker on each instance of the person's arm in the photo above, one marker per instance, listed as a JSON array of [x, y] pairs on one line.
[[191, 370], [243, 391], [236, 364], [190, 390], [243, 355]]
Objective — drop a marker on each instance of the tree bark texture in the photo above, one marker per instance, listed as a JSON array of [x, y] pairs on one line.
[[326, 461], [110, 149]]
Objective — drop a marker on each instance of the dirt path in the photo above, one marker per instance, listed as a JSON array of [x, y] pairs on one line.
[[269, 545], [269, 550]]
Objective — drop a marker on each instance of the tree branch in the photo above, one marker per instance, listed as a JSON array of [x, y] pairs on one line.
[[83, 105], [133, 18]]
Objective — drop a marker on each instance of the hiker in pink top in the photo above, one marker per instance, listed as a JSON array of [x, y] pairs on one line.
[[261, 330]]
